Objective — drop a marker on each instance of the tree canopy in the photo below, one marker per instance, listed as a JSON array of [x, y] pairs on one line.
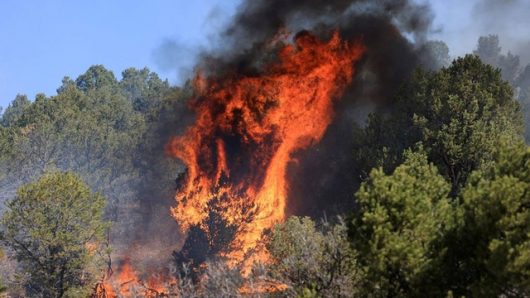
[[457, 114], [56, 229], [441, 207], [490, 52], [399, 227], [496, 203]]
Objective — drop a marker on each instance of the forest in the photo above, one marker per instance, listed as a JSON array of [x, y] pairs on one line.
[[430, 196]]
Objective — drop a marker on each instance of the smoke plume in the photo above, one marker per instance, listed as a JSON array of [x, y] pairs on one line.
[[509, 20]]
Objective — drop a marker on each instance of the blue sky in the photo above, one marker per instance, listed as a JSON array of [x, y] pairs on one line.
[[45, 40]]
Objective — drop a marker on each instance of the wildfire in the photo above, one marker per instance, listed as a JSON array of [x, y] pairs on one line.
[[128, 284], [238, 150], [246, 129]]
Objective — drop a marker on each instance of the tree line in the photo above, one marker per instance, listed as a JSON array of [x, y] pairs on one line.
[[443, 207]]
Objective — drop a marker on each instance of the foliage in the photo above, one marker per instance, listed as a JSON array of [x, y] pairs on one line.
[[94, 127], [55, 228], [457, 113], [309, 259], [15, 110], [97, 77], [489, 50], [90, 134], [90, 126], [399, 228], [144, 89], [496, 230], [523, 85], [450, 219]]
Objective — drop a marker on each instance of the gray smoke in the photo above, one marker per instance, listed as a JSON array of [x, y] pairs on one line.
[[510, 20], [461, 23]]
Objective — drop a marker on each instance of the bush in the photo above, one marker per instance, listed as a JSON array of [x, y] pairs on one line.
[[54, 227], [309, 259]]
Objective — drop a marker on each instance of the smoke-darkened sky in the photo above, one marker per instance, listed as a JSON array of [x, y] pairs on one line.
[[460, 23], [42, 41]]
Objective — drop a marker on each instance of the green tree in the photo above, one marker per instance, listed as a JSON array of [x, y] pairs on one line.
[[145, 89], [95, 78], [66, 83], [55, 228], [488, 49], [36, 140], [399, 229], [15, 110], [510, 67], [523, 84], [315, 259], [99, 137], [496, 233], [523, 81], [90, 128], [457, 113]]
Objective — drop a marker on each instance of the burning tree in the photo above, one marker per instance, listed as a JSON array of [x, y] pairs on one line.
[[246, 129]]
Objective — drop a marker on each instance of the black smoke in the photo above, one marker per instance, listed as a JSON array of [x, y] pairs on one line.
[[394, 32]]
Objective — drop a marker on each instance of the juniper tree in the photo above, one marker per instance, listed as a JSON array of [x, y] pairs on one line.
[[55, 228]]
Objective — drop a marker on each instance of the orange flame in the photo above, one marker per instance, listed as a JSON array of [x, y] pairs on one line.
[[247, 128], [127, 284]]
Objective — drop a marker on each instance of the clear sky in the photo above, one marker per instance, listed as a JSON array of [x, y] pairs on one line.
[[45, 40]]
